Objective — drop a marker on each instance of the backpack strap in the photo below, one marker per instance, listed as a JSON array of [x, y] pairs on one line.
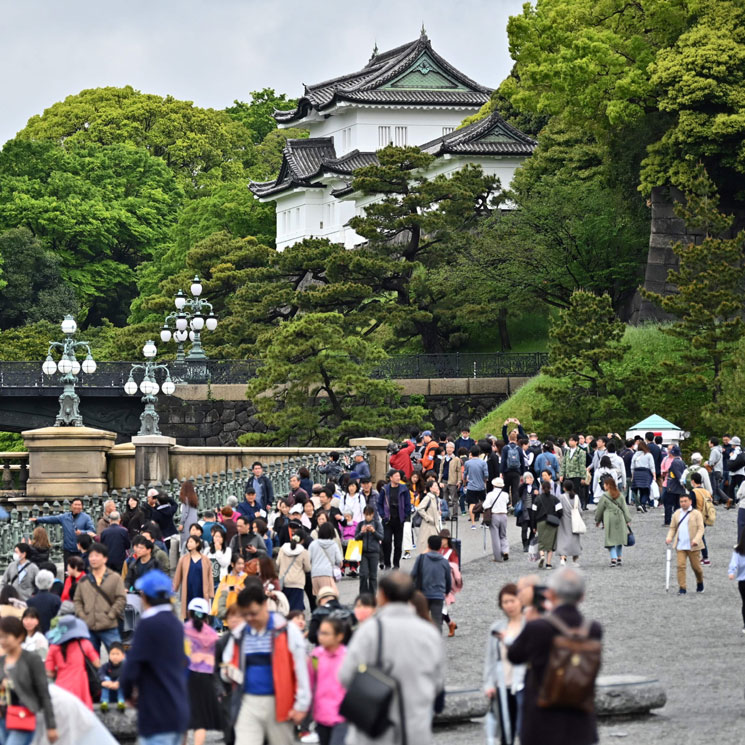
[[582, 631]]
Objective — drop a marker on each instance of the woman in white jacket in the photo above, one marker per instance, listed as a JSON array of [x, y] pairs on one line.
[[325, 559], [352, 501], [642, 476]]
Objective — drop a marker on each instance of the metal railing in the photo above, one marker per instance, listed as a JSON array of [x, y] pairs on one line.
[[14, 473], [113, 375], [212, 489]]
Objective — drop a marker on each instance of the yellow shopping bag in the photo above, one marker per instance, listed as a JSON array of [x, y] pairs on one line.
[[354, 551]]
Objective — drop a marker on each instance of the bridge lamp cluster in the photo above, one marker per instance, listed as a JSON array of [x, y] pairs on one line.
[[193, 315]]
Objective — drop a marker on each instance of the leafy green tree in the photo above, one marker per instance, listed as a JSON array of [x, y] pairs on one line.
[[585, 344], [314, 386], [203, 147], [101, 210], [409, 232], [256, 114], [563, 236], [707, 304], [34, 289]]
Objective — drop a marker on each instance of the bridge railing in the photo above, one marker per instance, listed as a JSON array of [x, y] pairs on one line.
[[113, 375], [213, 490], [14, 473]]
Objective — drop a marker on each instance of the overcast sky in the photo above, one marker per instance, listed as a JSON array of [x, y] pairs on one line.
[[214, 51]]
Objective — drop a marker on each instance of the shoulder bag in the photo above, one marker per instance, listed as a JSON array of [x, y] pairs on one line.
[[94, 682], [286, 572], [335, 571], [578, 524], [368, 700]]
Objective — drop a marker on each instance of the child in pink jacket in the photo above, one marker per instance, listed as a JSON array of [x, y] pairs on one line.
[[328, 693], [348, 532]]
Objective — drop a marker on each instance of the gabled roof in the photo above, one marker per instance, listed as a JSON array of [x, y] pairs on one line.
[[654, 423], [489, 136], [412, 74], [305, 160]]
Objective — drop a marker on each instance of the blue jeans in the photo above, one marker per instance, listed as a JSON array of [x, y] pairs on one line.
[[107, 694], [162, 738], [105, 636], [14, 736], [615, 551]]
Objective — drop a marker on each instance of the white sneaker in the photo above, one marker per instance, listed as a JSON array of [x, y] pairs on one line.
[[563, 562], [311, 737], [406, 555]]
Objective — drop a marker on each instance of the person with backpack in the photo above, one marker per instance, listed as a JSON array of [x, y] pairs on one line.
[[475, 477], [433, 578], [675, 485], [495, 518], [512, 466], [567, 717], [702, 501], [696, 467]]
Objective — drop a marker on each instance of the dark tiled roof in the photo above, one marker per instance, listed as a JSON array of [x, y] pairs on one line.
[[368, 85], [489, 136], [305, 160]]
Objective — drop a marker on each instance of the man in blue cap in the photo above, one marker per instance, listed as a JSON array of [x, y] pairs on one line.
[[156, 666]]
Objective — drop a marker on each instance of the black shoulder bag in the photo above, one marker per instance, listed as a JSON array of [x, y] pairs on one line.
[[368, 700]]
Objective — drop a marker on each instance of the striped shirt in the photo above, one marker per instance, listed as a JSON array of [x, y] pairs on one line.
[[257, 649]]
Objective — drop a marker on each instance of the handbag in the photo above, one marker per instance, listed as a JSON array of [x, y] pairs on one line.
[[533, 551], [94, 682], [20, 718], [553, 520], [368, 699], [578, 524], [334, 569], [630, 539]]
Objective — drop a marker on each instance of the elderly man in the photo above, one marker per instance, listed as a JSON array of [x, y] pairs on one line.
[[103, 522], [412, 654], [542, 725], [73, 524], [359, 468], [449, 476], [697, 467], [297, 493]]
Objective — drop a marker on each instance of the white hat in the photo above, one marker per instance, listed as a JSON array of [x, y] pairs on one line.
[[735, 441], [696, 457], [200, 605], [497, 481], [296, 509]]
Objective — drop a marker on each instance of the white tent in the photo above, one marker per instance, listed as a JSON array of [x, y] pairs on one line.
[[660, 426]]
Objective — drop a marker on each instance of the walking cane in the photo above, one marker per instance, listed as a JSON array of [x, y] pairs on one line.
[[505, 722], [667, 569]]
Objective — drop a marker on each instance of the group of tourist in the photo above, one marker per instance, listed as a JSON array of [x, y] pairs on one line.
[[269, 646]]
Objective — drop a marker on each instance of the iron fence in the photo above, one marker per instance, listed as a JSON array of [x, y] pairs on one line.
[[113, 375]]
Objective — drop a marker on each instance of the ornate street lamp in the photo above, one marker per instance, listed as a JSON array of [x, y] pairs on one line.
[[149, 388], [189, 320], [69, 368]]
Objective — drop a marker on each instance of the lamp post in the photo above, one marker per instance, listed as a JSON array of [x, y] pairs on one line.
[[69, 368], [149, 388], [190, 318]]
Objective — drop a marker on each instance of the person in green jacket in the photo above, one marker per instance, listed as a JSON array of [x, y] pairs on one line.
[[613, 513]]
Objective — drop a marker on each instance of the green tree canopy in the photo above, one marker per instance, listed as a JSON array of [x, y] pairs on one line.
[[100, 209], [256, 114], [203, 147], [314, 386]]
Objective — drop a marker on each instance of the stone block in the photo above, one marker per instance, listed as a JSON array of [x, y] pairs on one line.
[[628, 694], [461, 705], [448, 387], [479, 386], [121, 724], [411, 387], [212, 442], [230, 426]]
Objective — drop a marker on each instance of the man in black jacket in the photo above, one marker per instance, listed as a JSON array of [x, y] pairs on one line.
[[116, 539], [559, 726]]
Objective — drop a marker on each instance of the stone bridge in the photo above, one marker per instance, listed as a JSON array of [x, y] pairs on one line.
[[210, 406]]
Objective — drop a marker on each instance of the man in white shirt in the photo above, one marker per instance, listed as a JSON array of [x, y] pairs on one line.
[[687, 535]]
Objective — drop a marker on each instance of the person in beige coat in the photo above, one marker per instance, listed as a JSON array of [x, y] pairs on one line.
[[293, 562], [187, 575], [686, 535], [429, 511]]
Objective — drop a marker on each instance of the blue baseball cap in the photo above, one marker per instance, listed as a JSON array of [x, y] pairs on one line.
[[155, 583], [427, 433]]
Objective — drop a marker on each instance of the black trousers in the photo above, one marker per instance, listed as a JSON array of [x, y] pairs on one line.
[[435, 610], [512, 485], [393, 535], [741, 587], [66, 555], [580, 490], [369, 573]]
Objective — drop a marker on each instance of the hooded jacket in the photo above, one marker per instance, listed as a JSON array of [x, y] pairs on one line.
[[432, 575], [293, 561]]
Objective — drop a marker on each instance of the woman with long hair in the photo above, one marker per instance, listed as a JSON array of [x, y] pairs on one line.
[[613, 514], [40, 546], [200, 641], [642, 475], [547, 509], [193, 576], [451, 555], [568, 543], [189, 510], [134, 517], [219, 554], [230, 585]]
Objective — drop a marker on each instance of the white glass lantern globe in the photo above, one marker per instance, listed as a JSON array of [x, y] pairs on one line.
[[130, 387], [154, 389], [69, 326], [197, 323], [211, 322], [196, 287], [192, 336], [180, 300], [65, 366], [49, 367], [165, 334], [169, 387], [146, 387], [180, 336], [181, 322], [150, 350], [75, 367], [89, 365]]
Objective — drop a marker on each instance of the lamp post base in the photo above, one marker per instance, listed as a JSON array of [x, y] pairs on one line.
[[69, 411]]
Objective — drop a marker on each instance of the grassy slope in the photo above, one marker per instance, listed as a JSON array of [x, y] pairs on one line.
[[649, 346]]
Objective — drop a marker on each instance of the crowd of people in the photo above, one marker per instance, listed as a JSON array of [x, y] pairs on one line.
[[231, 619]]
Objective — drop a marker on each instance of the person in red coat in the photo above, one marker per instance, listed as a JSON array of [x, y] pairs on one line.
[[400, 458]]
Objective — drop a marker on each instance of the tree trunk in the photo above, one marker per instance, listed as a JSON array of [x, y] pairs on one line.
[[504, 334]]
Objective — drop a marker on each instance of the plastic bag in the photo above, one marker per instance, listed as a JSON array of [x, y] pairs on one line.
[[533, 552], [354, 551]]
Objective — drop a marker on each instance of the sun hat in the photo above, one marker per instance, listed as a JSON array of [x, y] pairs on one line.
[[199, 605], [497, 481], [326, 592]]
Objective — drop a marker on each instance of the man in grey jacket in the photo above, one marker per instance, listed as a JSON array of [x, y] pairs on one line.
[[21, 573], [433, 577], [412, 653]]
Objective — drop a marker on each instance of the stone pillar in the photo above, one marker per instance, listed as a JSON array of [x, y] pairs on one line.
[[67, 462], [377, 450], [152, 458]]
